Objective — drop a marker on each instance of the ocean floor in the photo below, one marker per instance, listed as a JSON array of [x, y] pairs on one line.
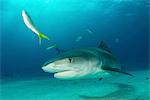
[[119, 87]]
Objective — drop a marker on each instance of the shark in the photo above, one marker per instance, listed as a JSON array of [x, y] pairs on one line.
[[84, 63]]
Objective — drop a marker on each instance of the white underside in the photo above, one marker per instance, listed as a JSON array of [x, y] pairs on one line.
[[27, 22], [66, 74]]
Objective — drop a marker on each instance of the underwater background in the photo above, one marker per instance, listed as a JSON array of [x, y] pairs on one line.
[[122, 24]]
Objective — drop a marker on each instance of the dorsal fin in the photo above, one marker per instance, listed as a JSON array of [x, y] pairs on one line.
[[104, 46]]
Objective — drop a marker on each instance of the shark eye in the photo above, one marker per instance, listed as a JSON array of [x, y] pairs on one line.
[[70, 60]]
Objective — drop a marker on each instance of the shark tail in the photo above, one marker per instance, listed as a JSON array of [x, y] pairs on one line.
[[42, 36]]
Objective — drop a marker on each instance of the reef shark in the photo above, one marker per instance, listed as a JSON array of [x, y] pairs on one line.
[[84, 63]]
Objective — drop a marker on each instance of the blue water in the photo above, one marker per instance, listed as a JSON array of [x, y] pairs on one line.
[[125, 20], [122, 24]]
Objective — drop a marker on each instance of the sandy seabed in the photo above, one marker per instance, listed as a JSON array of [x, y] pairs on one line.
[[119, 87]]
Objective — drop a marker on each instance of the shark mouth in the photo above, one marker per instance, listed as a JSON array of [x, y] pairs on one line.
[[67, 74], [62, 72]]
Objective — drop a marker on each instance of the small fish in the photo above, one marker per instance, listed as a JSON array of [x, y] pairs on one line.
[[29, 23], [51, 47], [147, 78], [90, 32], [100, 78], [79, 38]]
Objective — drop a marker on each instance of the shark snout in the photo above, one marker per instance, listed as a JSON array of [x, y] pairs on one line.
[[49, 68], [55, 67]]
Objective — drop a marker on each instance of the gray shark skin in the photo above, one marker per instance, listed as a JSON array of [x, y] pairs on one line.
[[84, 63]]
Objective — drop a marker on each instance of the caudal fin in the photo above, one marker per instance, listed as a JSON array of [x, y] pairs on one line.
[[42, 36]]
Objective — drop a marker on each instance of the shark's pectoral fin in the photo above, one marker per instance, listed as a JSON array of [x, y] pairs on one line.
[[116, 70], [66, 74]]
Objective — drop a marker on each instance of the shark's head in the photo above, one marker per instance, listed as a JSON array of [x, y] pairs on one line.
[[74, 64]]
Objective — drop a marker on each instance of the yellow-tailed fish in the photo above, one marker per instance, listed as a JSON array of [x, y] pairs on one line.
[[51, 47], [29, 23]]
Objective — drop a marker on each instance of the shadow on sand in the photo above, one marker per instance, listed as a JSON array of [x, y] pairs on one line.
[[124, 91]]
